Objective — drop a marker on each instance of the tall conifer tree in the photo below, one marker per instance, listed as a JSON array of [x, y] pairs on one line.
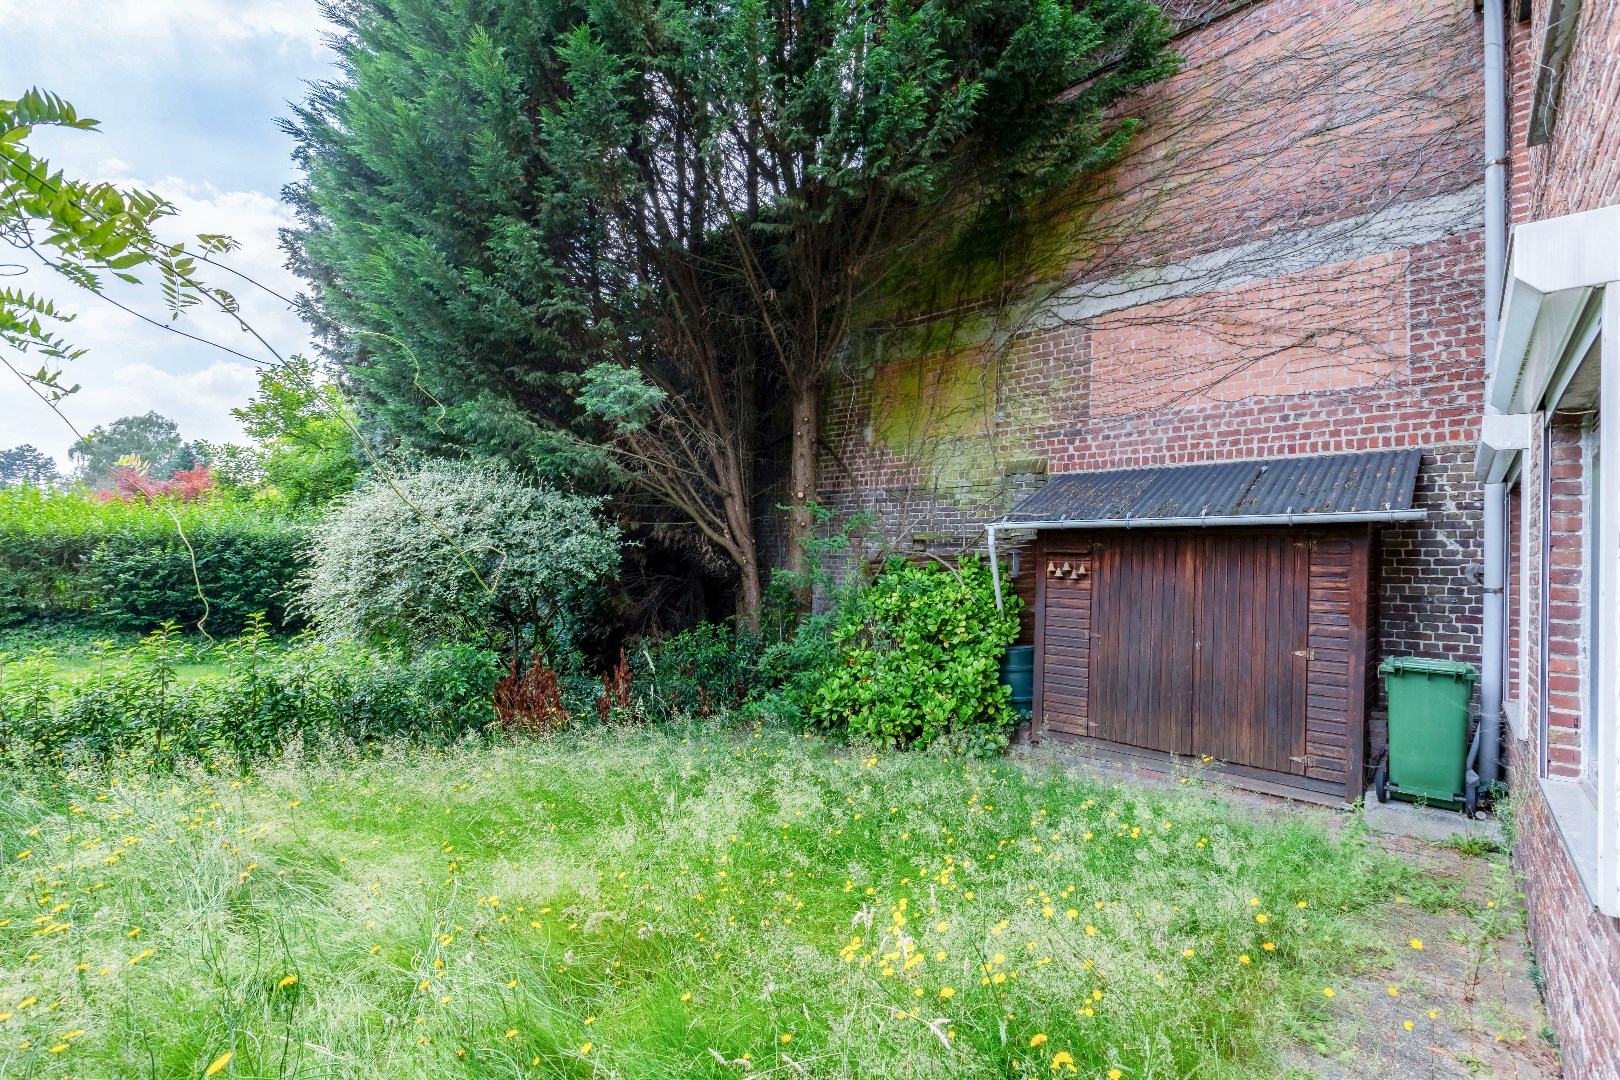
[[617, 240]]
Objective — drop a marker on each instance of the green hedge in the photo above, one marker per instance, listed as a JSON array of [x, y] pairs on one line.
[[124, 564], [131, 701]]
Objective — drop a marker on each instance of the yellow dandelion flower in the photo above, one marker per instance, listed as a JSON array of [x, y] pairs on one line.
[[512, 1033], [1408, 1025], [947, 992], [58, 1048], [787, 1037], [687, 996], [1114, 1074], [1037, 1040], [1416, 944], [585, 1049], [219, 1063], [288, 981], [1243, 959], [1327, 991]]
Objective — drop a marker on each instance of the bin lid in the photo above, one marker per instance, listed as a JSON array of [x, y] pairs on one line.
[[1422, 665]]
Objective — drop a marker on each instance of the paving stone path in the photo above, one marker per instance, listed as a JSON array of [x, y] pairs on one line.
[[1469, 995], [1470, 999]]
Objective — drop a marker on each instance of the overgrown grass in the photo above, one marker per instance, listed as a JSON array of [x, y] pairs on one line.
[[684, 902], [73, 647]]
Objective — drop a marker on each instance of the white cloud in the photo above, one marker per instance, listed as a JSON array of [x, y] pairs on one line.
[[187, 92], [219, 23], [132, 366]]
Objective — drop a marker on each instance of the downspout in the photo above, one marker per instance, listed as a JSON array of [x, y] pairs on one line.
[[1492, 632], [995, 566]]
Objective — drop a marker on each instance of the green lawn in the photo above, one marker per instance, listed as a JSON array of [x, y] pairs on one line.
[[74, 649], [641, 903]]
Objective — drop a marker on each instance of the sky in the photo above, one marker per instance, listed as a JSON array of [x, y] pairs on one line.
[[188, 93]]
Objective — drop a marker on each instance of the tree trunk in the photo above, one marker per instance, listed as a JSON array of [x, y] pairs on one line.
[[749, 597], [802, 483]]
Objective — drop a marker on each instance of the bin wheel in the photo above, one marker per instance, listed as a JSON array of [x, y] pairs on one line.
[[1381, 782]]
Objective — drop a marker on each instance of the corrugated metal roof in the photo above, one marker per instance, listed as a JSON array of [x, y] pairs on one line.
[[1327, 484]]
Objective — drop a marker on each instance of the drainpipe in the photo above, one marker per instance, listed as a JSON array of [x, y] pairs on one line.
[[1492, 635]]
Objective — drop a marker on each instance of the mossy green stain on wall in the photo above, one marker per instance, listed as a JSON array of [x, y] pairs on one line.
[[944, 413]]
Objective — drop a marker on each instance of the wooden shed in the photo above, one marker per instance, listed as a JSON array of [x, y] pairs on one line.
[[1223, 611]]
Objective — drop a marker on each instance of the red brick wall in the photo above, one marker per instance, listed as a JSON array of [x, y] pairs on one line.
[[1579, 167], [1289, 114], [1565, 610], [1513, 589], [1577, 947]]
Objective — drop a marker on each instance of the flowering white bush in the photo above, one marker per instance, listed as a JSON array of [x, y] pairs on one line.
[[472, 553]]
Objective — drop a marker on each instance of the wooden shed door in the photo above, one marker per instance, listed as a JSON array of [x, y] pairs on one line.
[[1199, 645], [1252, 603], [1142, 649]]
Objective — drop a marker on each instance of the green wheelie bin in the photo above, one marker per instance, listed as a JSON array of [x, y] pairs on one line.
[[1431, 755]]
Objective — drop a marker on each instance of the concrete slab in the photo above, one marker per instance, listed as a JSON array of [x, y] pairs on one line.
[[1399, 818]]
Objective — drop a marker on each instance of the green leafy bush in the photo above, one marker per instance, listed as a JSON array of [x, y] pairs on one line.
[[122, 563], [264, 695], [469, 553], [708, 670], [915, 658]]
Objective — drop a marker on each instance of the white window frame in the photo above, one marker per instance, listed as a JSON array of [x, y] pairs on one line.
[[1606, 769]]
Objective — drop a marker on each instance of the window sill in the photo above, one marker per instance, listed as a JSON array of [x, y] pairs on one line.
[[1575, 815], [1515, 718]]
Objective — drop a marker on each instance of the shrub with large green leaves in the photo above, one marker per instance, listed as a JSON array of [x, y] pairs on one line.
[[916, 658], [460, 553]]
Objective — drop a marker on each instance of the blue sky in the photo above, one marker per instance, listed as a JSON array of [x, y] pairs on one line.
[[187, 92]]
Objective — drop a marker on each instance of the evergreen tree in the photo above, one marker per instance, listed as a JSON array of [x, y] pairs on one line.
[[26, 464], [540, 230]]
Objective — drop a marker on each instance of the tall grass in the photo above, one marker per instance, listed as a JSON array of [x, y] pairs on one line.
[[662, 903]]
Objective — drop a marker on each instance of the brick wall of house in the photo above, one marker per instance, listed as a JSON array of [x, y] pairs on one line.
[[1566, 599], [1578, 169], [1577, 947], [1512, 669]]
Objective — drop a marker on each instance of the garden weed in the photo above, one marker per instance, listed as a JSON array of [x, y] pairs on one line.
[[654, 902]]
